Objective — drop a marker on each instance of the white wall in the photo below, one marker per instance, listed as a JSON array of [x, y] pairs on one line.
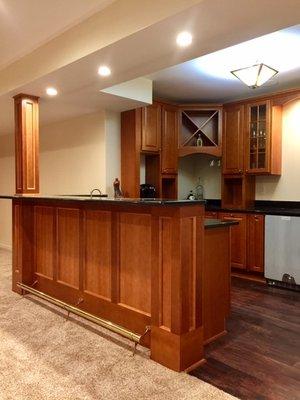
[[113, 150], [75, 156], [191, 168]]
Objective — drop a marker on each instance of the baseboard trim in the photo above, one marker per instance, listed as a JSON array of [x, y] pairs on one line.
[[5, 246]]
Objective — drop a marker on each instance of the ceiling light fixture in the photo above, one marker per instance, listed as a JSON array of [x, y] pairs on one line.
[[184, 39], [104, 70], [51, 91], [256, 75]]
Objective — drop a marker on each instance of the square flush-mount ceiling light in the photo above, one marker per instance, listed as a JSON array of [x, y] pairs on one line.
[[256, 75]]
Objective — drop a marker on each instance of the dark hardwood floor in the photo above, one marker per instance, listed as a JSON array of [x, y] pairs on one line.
[[259, 358]]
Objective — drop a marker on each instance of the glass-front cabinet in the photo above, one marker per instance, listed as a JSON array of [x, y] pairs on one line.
[[263, 138], [258, 137]]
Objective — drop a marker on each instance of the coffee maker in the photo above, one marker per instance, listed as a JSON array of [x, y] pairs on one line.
[[147, 191]]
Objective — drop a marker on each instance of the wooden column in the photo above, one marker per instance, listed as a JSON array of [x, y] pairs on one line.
[[177, 269], [27, 143]]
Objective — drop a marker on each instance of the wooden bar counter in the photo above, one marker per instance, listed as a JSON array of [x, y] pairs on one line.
[[136, 263]]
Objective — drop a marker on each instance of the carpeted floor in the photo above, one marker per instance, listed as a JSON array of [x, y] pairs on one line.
[[45, 356]]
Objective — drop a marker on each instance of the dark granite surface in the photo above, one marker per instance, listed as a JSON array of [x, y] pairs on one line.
[[217, 223], [107, 200], [291, 208]]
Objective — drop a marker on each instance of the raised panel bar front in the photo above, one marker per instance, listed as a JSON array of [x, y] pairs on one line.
[[44, 239], [98, 253], [136, 264], [135, 261], [68, 252]]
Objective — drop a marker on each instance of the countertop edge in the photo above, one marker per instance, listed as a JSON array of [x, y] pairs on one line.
[[106, 200]]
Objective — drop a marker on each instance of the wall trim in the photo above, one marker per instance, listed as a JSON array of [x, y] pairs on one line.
[[5, 246]]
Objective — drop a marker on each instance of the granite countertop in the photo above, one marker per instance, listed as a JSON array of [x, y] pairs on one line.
[[137, 201], [217, 223], [289, 208]]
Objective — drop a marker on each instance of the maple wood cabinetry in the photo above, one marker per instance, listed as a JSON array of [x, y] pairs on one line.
[[238, 239], [263, 138], [233, 139], [151, 128], [152, 132], [255, 242], [247, 240], [169, 151]]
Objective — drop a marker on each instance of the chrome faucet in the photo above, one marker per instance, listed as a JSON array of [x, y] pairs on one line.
[[95, 190]]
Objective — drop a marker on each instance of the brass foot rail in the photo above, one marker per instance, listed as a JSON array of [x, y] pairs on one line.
[[134, 337]]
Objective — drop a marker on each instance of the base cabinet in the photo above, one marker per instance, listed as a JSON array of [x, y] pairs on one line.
[[255, 242], [247, 239], [238, 239]]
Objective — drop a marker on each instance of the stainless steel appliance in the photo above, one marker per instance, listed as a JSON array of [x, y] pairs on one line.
[[282, 251]]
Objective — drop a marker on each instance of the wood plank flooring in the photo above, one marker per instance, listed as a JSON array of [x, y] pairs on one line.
[[259, 358]]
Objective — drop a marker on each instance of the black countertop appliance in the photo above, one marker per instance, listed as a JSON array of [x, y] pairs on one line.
[[147, 191]]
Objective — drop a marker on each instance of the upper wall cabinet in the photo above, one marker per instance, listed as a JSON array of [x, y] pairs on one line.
[[263, 138], [233, 139], [151, 128], [200, 130], [169, 152]]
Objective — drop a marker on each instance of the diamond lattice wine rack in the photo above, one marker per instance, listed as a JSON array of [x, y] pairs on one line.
[[200, 130]]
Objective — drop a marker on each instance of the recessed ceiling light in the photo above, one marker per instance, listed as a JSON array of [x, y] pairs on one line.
[[104, 70], [184, 39], [51, 91]]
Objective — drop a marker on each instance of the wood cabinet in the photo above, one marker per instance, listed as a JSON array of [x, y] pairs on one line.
[[263, 138], [151, 128], [233, 139], [169, 151], [238, 239], [200, 130], [247, 241], [255, 242]]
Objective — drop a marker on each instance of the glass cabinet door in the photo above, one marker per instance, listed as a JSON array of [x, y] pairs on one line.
[[257, 137]]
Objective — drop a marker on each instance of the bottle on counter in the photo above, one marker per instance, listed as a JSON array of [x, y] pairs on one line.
[[199, 190], [117, 189]]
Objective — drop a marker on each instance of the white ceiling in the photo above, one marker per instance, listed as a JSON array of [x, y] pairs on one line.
[[208, 78], [147, 51], [27, 24]]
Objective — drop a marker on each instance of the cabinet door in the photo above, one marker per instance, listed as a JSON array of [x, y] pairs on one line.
[[169, 151], [258, 133], [238, 239], [255, 245], [233, 143], [151, 128]]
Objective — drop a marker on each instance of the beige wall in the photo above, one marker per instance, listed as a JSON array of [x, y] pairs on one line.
[[75, 156], [192, 168], [286, 187], [7, 185]]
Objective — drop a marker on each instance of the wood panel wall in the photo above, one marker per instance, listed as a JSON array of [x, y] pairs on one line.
[[133, 265]]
